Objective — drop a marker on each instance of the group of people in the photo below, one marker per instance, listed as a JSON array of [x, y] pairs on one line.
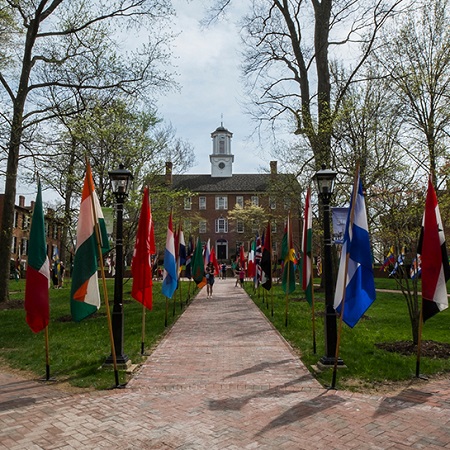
[[239, 273]]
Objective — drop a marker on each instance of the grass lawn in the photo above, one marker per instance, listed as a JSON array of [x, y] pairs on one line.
[[385, 321], [78, 350]]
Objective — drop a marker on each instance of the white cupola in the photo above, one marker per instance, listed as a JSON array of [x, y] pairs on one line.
[[221, 158]]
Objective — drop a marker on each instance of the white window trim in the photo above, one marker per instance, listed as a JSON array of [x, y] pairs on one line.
[[224, 198]]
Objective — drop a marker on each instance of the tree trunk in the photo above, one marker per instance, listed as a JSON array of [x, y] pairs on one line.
[[9, 203], [67, 205], [6, 232]]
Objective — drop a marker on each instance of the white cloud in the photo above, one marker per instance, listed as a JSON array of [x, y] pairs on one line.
[[208, 63]]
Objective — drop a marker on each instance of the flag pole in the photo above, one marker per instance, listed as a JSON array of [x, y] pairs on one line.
[[167, 312], [181, 298], [105, 290], [286, 312], [271, 299], [47, 358], [313, 314], [419, 341], [338, 340], [143, 330]]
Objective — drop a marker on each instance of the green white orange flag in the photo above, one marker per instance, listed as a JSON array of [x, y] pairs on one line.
[[38, 271], [307, 250], [85, 295]]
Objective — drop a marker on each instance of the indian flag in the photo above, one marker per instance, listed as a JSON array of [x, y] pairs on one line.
[[85, 295], [38, 271]]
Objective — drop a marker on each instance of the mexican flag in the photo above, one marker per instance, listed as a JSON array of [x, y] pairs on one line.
[[38, 271], [85, 295]]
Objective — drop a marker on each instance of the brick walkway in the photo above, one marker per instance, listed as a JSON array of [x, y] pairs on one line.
[[222, 379]]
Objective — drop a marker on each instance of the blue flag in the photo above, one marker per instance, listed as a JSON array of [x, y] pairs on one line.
[[355, 287], [170, 277]]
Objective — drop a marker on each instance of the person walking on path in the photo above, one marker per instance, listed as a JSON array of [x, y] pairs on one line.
[[224, 271], [209, 280], [241, 276]]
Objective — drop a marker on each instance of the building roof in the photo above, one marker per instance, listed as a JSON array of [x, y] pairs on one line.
[[236, 183]]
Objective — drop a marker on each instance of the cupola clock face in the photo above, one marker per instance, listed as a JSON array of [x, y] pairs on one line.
[[221, 165]]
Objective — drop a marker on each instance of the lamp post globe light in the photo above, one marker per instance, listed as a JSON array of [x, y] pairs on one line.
[[120, 182], [325, 179]]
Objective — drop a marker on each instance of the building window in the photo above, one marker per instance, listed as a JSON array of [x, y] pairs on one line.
[[187, 226], [222, 146], [221, 225], [273, 227], [14, 245], [255, 200], [287, 203], [55, 232], [26, 222], [202, 203], [202, 226], [16, 219], [221, 202], [187, 202], [240, 226], [240, 200], [255, 227], [272, 203], [24, 247]]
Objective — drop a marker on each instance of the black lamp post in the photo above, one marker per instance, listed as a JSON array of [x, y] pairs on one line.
[[120, 183], [325, 184]]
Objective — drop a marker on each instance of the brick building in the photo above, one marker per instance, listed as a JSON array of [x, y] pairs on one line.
[[210, 197], [21, 232]]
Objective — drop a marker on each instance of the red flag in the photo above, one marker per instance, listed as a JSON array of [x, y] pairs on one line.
[[266, 260], [242, 257], [435, 266], [213, 259], [141, 266]]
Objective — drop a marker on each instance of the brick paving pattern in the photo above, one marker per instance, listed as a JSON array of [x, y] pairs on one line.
[[222, 378]]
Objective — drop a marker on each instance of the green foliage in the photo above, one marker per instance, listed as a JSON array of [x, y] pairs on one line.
[[386, 321], [78, 350]]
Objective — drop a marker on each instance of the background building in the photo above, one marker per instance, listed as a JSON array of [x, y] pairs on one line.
[[21, 233], [206, 202]]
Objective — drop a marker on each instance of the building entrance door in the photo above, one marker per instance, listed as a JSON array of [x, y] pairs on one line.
[[222, 247]]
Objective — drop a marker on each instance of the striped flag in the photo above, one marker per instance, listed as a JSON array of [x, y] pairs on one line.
[[38, 271], [181, 260], [84, 294], [251, 269], [433, 253], [307, 278], [141, 266], [170, 277]]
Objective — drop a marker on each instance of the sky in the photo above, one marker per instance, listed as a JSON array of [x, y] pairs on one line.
[[208, 62]]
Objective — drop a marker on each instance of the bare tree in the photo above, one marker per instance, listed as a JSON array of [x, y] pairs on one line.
[[55, 39], [415, 56], [289, 47]]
